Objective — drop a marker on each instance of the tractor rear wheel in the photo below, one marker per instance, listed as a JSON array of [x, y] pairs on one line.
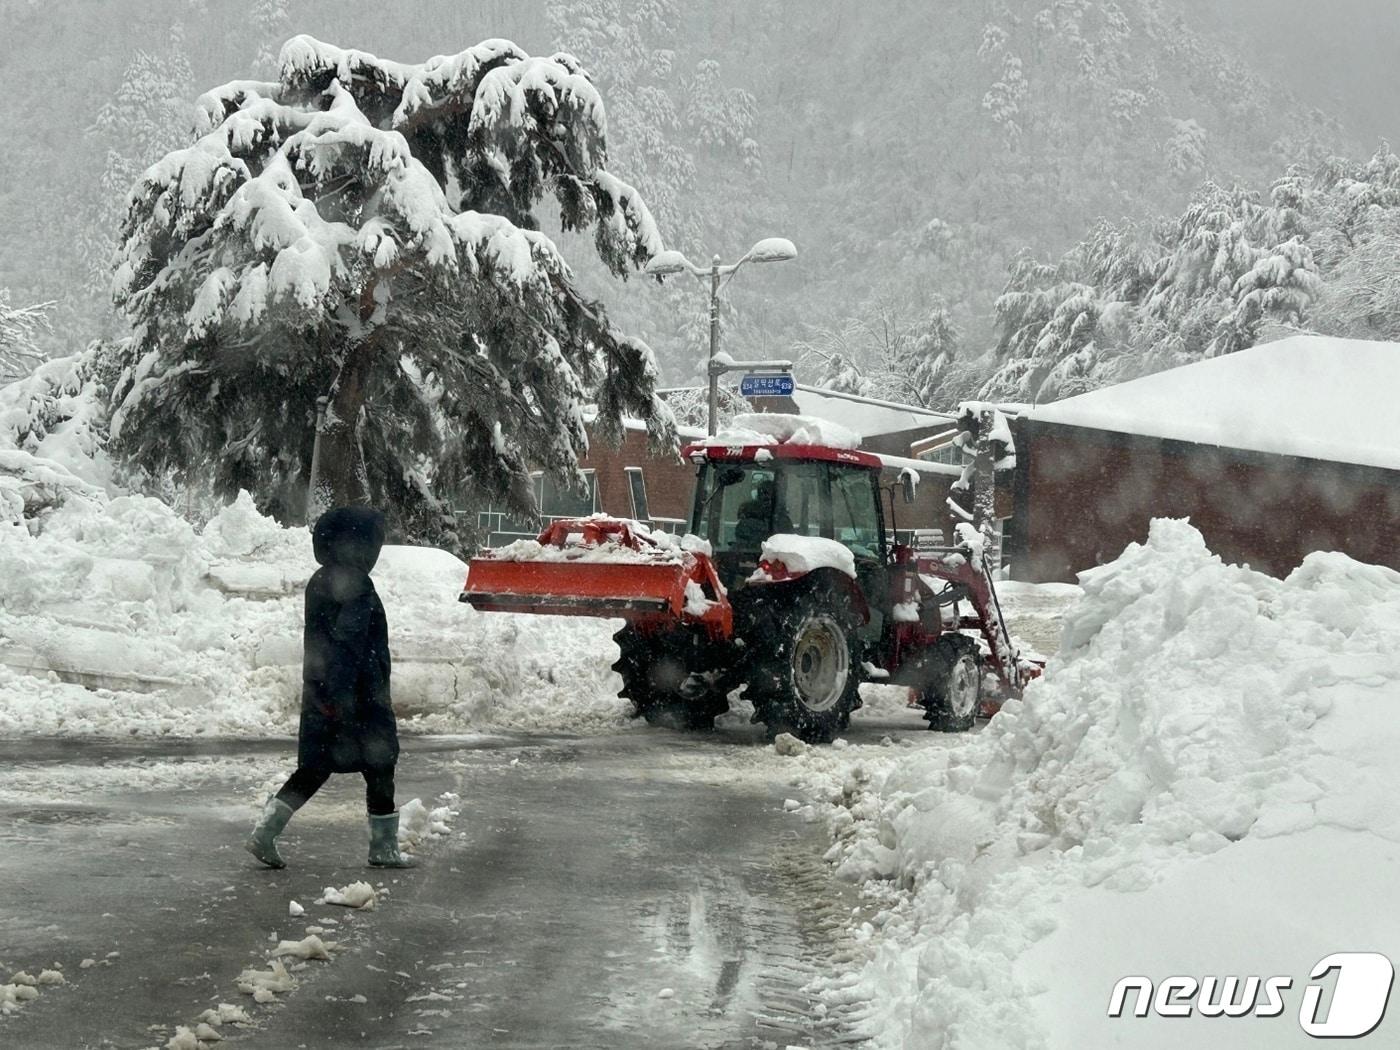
[[807, 681], [951, 692], [657, 679]]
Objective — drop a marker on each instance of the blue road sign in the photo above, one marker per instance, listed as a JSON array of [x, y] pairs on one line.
[[767, 386]]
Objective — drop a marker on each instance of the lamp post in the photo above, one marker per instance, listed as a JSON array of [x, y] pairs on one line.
[[770, 249]]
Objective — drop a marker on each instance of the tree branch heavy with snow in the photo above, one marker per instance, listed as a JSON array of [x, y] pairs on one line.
[[364, 231]]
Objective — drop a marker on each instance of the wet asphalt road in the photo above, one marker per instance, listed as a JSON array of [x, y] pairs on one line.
[[583, 880]]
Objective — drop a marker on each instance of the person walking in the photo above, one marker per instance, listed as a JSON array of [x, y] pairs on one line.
[[347, 722]]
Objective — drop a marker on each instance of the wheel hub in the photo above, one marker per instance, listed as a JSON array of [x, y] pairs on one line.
[[964, 687], [820, 663]]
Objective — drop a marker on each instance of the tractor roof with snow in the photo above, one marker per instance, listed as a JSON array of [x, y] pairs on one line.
[[789, 585]]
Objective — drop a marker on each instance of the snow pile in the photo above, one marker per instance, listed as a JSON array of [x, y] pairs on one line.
[[773, 428], [652, 548], [419, 824], [356, 895], [309, 947], [1172, 797], [800, 554], [116, 616], [266, 985]]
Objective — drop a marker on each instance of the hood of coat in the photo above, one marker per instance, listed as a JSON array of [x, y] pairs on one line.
[[351, 536]]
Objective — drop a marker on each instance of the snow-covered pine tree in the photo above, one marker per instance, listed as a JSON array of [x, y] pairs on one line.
[[1223, 270], [691, 405], [271, 23], [663, 121], [1114, 308], [984, 437], [362, 230], [892, 350], [146, 116], [20, 327]]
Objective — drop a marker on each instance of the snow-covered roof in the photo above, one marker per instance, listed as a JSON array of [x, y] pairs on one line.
[[866, 416], [1310, 396]]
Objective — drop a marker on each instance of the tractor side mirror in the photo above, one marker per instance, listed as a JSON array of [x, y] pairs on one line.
[[908, 484]]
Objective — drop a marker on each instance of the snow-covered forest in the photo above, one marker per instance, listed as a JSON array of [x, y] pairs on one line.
[[918, 164]]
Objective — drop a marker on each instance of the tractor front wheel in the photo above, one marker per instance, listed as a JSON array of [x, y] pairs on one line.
[[951, 694], [657, 679], [807, 683]]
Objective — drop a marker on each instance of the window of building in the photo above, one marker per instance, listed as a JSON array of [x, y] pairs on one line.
[[558, 500], [637, 491], [948, 453]]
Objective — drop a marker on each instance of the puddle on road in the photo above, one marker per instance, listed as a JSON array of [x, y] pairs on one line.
[[66, 815], [735, 953]]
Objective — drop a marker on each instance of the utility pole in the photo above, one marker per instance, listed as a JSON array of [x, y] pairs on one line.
[[713, 424], [770, 249]]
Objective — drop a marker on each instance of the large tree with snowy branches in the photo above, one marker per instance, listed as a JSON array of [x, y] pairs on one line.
[[20, 327], [363, 231]]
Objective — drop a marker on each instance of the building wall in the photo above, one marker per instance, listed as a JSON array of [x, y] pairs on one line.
[[1081, 496], [670, 481]]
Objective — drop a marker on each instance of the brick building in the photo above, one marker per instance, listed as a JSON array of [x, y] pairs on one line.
[[1272, 452], [627, 481]]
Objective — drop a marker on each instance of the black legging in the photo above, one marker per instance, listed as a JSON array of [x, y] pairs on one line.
[[379, 788]]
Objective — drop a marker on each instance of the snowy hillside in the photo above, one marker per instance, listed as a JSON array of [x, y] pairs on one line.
[[1203, 783]]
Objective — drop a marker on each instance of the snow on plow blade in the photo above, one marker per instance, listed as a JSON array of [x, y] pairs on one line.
[[600, 567]]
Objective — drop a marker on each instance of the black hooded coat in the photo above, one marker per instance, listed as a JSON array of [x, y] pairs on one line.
[[347, 722]]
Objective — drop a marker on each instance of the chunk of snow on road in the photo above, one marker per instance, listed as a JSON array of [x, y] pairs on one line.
[[50, 977], [295, 910], [265, 985], [418, 823], [13, 996], [309, 947], [788, 745], [206, 1033], [356, 895], [666, 993], [183, 1039], [225, 1013]]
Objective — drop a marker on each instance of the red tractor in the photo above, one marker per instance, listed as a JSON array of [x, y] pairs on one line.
[[790, 585]]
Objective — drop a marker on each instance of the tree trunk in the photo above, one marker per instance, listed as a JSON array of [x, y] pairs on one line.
[[338, 474], [984, 486]]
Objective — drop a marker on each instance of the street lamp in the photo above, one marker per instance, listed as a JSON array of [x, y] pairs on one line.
[[770, 249]]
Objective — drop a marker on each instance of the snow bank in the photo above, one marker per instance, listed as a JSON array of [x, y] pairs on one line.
[[116, 616], [773, 428], [1175, 796]]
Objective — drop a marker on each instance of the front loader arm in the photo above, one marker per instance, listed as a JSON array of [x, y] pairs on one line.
[[966, 567]]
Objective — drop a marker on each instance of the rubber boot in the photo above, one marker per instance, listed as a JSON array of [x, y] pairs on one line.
[[384, 842], [262, 843]]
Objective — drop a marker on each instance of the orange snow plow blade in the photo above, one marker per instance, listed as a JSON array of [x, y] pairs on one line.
[[599, 567]]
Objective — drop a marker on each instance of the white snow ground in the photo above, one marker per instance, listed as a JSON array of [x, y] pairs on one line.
[[200, 632], [1204, 783]]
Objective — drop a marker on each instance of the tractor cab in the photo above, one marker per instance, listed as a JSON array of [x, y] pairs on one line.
[[746, 495]]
